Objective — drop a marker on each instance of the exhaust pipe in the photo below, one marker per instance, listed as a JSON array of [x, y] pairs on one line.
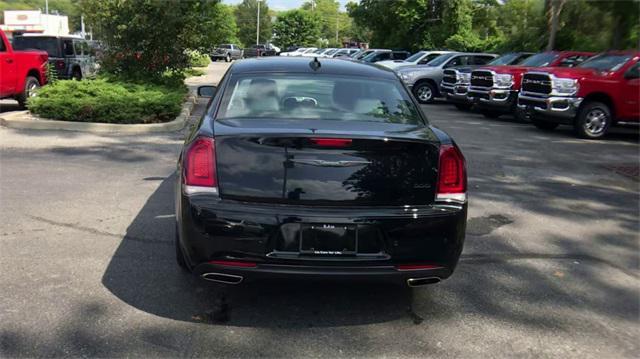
[[222, 278], [419, 282]]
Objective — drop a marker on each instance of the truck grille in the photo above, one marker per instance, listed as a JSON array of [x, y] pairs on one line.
[[536, 83], [482, 78], [449, 77]]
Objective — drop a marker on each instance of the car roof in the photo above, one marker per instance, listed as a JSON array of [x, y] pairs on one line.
[[275, 64], [473, 53]]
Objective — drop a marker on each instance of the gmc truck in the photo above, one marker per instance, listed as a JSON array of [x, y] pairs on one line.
[[260, 50], [599, 93], [494, 89], [226, 52], [21, 72]]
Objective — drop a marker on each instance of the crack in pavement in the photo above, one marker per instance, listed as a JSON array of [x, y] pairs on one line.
[[99, 232], [507, 257]]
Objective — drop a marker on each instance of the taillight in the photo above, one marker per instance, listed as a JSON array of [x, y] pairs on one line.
[[200, 167], [234, 264], [452, 175], [60, 64], [331, 142]]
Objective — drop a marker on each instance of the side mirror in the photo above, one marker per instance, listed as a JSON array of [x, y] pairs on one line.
[[633, 73], [207, 91]]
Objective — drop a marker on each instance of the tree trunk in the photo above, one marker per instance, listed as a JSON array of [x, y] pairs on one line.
[[555, 7]]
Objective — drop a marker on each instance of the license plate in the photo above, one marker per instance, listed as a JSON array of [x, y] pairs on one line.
[[328, 239]]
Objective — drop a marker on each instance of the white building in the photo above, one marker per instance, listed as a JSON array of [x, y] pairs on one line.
[[34, 22]]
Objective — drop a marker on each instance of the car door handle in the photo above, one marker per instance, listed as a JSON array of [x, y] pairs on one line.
[[9, 60]]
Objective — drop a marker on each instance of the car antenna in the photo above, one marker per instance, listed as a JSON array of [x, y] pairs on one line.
[[315, 64]]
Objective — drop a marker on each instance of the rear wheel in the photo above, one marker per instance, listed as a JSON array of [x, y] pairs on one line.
[[593, 120], [544, 125], [424, 92], [76, 75], [463, 106], [30, 85], [182, 263]]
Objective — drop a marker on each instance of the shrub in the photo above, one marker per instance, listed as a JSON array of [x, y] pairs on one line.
[[197, 59], [108, 101]]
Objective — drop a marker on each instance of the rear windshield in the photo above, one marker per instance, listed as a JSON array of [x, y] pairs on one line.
[[540, 60], [606, 62], [48, 44], [320, 97]]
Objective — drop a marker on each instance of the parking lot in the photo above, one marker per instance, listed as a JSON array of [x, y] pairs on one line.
[[550, 267]]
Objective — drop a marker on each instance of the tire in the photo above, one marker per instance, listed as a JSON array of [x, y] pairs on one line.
[[30, 84], [593, 120], [182, 263], [424, 92], [463, 106], [491, 114], [544, 125], [227, 58], [76, 74]]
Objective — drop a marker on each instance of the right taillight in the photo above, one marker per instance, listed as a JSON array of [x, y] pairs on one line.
[[452, 175], [200, 167]]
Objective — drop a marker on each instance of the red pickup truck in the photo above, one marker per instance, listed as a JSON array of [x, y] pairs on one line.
[[21, 72], [600, 92], [494, 89]]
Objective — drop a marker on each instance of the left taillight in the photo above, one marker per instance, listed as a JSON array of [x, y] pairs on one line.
[[199, 167], [452, 175]]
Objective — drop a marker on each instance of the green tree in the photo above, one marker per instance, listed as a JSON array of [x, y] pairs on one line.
[[220, 27], [246, 14], [296, 27], [143, 38]]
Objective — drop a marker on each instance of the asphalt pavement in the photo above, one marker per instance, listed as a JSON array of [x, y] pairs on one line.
[[550, 267]]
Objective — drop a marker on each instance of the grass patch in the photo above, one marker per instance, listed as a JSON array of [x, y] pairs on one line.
[[108, 101], [193, 72]]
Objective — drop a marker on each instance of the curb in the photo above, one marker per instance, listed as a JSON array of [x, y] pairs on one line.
[[24, 120]]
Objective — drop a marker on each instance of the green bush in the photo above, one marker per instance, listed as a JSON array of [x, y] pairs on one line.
[[108, 101], [197, 59]]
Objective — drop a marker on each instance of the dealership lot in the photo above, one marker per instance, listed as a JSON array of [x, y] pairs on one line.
[[550, 265]]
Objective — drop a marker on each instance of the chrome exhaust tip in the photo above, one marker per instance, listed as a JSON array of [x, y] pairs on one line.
[[222, 278], [419, 282]]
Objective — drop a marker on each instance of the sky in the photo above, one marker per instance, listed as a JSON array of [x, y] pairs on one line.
[[284, 4]]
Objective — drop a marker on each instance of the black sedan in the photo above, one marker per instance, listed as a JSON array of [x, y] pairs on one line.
[[318, 169]]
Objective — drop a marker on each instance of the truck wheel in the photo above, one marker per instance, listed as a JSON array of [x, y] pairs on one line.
[[463, 106], [424, 92], [30, 84], [491, 114], [227, 58], [593, 120], [76, 75], [544, 125]]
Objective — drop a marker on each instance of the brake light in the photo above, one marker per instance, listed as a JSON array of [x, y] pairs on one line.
[[234, 264], [404, 267], [200, 167], [60, 64], [452, 176], [331, 142]]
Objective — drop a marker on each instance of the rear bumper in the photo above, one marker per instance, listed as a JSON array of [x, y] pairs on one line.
[[564, 108], [216, 230], [455, 93], [496, 99]]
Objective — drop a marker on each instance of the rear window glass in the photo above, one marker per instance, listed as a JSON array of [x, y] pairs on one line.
[[318, 97], [48, 44]]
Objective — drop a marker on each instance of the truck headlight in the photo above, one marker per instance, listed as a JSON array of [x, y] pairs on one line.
[[503, 80], [463, 78], [565, 86]]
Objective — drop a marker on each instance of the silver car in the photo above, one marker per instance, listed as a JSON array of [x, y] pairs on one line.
[[424, 80]]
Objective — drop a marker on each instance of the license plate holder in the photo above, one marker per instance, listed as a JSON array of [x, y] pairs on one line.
[[329, 239]]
